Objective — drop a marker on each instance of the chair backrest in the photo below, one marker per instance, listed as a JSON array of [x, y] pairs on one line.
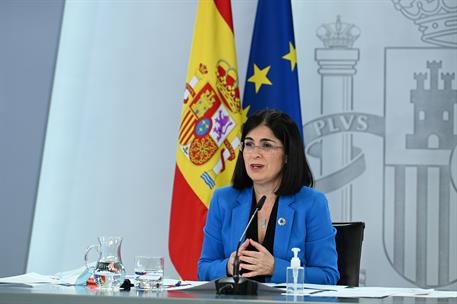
[[349, 237]]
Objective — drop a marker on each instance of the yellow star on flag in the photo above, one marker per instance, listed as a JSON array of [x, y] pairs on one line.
[[260, 77], [291, 56]]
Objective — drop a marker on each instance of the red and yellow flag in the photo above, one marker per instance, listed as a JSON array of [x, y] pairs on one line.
[[209, 133]]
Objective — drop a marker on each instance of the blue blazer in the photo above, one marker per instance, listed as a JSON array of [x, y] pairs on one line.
[[307, 226]]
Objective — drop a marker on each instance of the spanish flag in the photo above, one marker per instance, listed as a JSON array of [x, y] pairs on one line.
[[209, 133]]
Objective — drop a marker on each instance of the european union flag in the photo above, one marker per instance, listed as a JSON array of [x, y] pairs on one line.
[[272, 79]]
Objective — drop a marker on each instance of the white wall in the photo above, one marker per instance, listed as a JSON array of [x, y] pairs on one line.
[[109, 155]]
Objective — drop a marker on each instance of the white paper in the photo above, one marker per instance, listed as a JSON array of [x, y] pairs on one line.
[[174, 285], [433, 294], [374, 292], [309, 289], [30, 279], [77, 276], [324, 287], [210, 286], [306, 292]]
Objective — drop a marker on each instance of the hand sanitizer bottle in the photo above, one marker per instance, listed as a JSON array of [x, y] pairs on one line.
[[295, 276]]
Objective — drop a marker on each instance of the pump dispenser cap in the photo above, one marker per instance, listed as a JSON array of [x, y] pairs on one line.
[[295, 261]]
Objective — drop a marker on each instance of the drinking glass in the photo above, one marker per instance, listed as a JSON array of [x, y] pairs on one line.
[[149, 272]]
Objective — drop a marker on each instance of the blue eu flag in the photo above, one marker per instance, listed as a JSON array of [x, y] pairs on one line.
[[272, 79]]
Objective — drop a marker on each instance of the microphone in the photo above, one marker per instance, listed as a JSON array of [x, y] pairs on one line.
[[236, 261], [233, 285]]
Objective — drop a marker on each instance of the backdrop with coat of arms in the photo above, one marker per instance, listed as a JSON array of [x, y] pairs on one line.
[[379, 120]]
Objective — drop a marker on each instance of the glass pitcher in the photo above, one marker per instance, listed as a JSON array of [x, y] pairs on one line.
[[109, 271]]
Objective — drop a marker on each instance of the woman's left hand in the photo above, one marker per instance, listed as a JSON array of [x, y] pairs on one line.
[[256, 263]]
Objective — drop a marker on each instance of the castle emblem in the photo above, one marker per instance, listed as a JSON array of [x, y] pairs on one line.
[[433, 111], [418, 193]]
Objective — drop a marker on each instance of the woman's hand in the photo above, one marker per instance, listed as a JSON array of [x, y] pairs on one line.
[[230, 264], [256, 263], [232, 257]]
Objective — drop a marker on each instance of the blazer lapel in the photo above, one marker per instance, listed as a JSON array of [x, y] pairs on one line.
[[284, 222], [240, 216]]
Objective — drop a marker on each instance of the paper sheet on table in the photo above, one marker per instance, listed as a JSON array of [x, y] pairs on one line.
[[29, 279], [77, 276], [432, 294], [173, 284], [306, 292], [309, 289], [324, 287], [374, 292], [211, 286]]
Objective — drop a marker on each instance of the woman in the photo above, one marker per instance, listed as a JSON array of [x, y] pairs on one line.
[[272, 162]]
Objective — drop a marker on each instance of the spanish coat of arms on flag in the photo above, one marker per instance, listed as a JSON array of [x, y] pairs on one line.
[[209, 132]]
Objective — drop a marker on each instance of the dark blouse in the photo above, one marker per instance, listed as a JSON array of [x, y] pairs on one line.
[[252, 232]]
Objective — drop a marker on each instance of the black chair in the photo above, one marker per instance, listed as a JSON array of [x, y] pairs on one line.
[[349, 238]]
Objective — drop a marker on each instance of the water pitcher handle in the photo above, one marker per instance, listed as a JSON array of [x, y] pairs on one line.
[[86, 255]]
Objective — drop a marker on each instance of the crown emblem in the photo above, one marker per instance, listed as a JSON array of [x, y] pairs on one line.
[[338, 35], [437, 19], [227, 84]]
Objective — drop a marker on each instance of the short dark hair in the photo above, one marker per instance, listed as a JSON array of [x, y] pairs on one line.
[[296, 173]]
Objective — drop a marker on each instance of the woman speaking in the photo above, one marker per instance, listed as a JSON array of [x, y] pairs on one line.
[[272, 163]]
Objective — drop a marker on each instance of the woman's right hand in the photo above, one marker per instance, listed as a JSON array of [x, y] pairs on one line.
[[232, 257], [230, 264]]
